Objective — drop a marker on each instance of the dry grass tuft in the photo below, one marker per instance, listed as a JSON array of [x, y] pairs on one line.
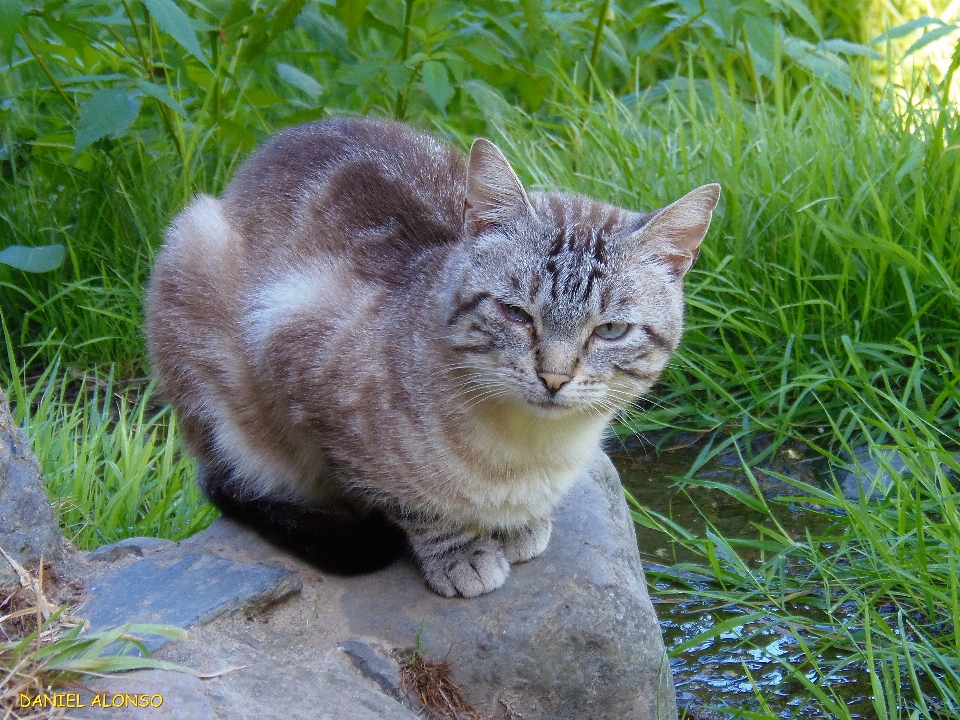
[[29, 622], [430, 683]]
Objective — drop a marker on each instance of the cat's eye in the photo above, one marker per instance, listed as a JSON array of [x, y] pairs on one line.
[[516, 313], [611, 330]]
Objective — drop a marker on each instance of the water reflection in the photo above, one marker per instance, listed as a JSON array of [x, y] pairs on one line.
[[740, 660]]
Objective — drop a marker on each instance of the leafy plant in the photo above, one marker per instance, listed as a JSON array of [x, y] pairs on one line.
[[33, 259]]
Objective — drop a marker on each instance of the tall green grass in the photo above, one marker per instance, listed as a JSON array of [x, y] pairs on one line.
[[110, 217], [111, 459], [827, 289]]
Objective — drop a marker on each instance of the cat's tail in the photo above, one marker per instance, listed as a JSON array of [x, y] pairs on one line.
[[331, 541]]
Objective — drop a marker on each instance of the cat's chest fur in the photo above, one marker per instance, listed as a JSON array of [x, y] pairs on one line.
[[374, 390], [369, 318]]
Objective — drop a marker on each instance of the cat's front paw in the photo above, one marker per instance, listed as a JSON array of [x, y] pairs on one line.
[[474, 569], [527, 542]]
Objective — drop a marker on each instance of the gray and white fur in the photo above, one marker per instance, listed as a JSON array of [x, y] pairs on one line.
[[369, 322]]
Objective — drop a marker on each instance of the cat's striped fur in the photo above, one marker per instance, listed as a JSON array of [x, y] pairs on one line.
[[369, 322]]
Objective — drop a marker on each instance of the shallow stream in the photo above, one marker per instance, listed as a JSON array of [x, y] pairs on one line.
[[713, 673]]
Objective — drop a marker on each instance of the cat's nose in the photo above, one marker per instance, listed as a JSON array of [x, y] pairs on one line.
[[553, 381]]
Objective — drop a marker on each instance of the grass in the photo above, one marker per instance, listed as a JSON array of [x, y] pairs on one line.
[[111, 458], [42, 651], [877, 591], [110, 220], [428, 681], [824, 309]]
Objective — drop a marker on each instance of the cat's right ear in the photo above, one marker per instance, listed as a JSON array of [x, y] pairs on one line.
[[495, 197]]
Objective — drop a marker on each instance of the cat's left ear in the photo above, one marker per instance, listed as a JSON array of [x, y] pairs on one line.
[[678, 229], [495, 197]]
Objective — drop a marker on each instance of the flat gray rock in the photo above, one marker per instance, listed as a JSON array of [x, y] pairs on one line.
[[134, 547], [572, 633], [186, 592], [160, 695], [330, 691], [29, 528], [868, 474]]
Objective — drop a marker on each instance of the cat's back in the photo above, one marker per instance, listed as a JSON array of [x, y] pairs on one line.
[[373, 192]]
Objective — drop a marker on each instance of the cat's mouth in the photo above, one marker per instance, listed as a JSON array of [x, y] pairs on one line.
[[551, 406]]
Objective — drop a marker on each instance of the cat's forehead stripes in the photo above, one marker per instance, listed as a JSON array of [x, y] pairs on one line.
[[578, 232]]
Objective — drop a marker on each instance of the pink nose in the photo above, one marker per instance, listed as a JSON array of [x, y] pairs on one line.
[[553, 381]]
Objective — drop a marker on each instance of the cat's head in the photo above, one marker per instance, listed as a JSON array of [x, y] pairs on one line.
[[559, 302]]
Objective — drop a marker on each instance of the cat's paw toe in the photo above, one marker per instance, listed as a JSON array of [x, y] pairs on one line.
[[527, 542], [470, 571]]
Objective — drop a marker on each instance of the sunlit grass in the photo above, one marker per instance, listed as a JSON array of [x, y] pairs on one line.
[[111, 459]]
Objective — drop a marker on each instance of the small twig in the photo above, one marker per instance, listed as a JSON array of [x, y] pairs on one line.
[[25, 580], [44, 606]]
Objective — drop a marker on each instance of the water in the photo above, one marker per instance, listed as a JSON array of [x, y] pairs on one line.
[[723, 670]]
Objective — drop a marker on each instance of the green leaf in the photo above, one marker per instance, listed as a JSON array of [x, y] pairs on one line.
[[175, 22], [397, 76], [33, 259], [361, 72], [10, 13], [300, 80], [531, 90], [761, 45], [906, 28], [259, 97], [930, 37], [437, 83], [839, 45], [489, 100], [352, 12], [286, 14], [107, 112], [486, 53], [228, 130], [801, 9], [160, 93], [828, 67]]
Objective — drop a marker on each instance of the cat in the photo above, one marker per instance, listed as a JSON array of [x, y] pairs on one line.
[[371, 332]]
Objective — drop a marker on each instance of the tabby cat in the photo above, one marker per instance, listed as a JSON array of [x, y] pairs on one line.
[[372, 340]]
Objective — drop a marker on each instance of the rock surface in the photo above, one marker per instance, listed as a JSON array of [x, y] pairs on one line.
[[572, 634], [28, 529], [185, 592], [169, 696]]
